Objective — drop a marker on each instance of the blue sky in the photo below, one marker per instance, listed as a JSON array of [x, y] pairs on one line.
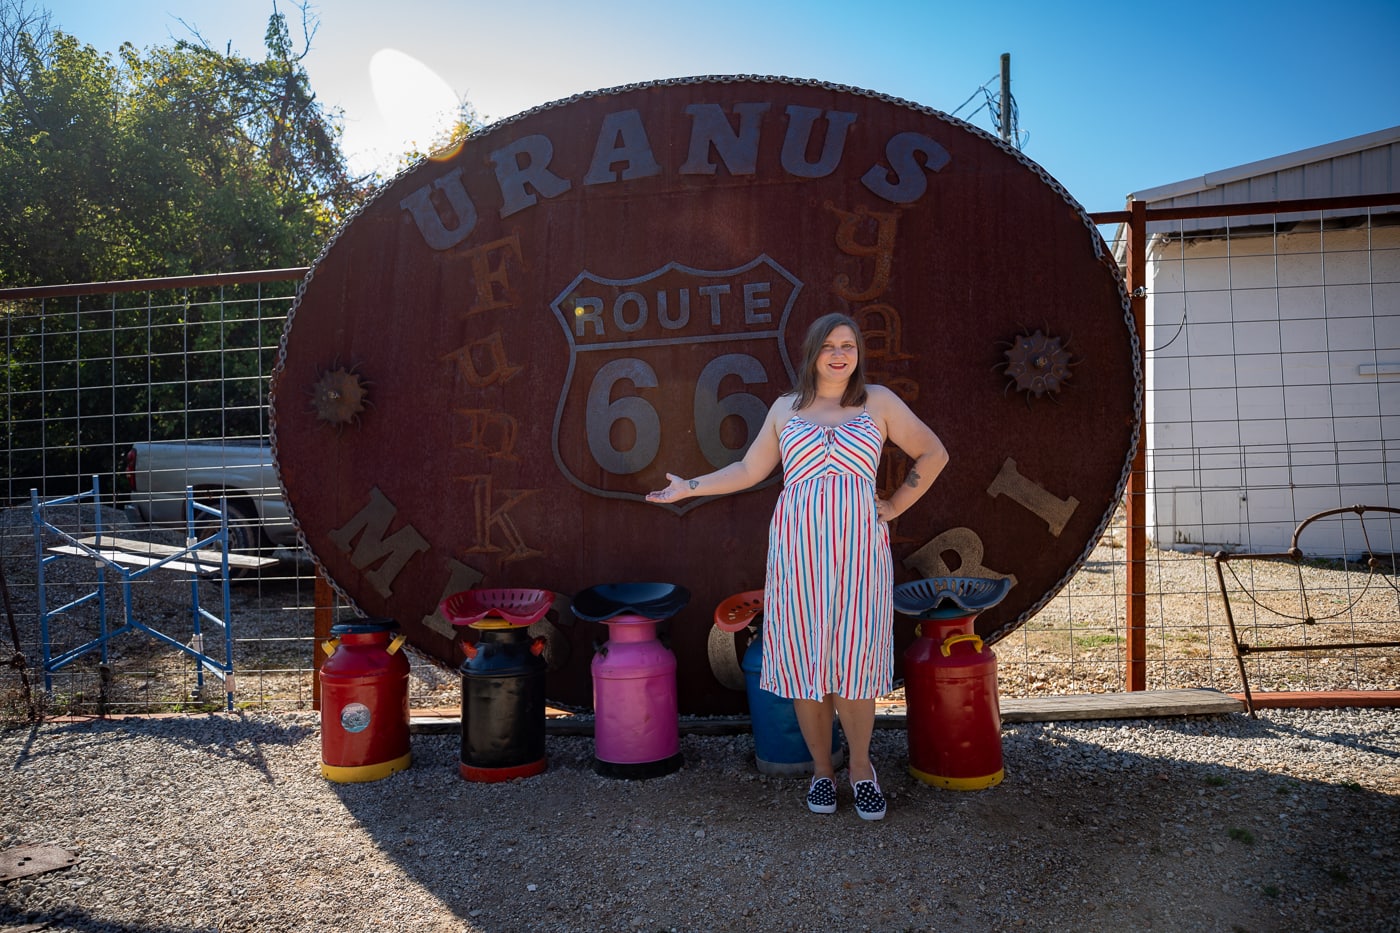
[[1112, 97]]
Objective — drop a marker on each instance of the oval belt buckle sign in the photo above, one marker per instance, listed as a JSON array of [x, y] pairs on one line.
[[506, 348]]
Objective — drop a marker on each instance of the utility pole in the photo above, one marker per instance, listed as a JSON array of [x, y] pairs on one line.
[[1006, 97]]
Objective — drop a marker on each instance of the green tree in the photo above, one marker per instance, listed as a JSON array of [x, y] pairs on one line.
[[176, 160], [57, 126], [465, 122], [181, 159]]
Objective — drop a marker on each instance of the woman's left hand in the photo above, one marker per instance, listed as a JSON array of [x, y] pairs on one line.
[[678, 489], [884, 511]]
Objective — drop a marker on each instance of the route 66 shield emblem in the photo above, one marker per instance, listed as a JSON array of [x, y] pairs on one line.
[[626, 336]]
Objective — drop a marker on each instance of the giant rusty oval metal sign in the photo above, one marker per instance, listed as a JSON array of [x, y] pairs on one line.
[[498, 357]]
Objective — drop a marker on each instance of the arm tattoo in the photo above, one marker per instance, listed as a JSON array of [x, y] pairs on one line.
[[694, 484], [912, 480]]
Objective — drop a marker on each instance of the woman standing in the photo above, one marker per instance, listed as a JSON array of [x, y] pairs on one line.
[[828, 610]]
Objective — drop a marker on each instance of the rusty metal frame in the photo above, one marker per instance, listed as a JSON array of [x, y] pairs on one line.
[[1294, 554]]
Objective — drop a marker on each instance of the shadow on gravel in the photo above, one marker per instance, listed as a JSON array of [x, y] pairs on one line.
[[1079, 833], [80, 921], [231, 737], [1341, 739]]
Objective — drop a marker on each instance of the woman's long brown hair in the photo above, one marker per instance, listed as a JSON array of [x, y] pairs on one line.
[[806, 387]]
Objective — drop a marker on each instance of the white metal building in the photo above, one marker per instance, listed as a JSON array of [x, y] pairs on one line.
[[1273, 355]]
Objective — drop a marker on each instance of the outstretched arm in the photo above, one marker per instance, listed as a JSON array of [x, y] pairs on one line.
[[758, 462]]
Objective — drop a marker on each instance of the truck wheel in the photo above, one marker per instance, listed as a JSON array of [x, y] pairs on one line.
[[244, 536]]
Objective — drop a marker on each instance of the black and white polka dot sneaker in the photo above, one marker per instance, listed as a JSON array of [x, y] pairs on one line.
[[821, 796], [870, 800]]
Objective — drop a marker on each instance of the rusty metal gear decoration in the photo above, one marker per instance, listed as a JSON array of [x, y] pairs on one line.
[[340, 396], [1037, 364]]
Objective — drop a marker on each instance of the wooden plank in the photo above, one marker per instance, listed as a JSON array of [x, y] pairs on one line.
[[1130, 705], [132, 560], [149, 548], [1133, 705]]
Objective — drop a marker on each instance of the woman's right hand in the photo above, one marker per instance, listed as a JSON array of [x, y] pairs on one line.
[[679, 489]]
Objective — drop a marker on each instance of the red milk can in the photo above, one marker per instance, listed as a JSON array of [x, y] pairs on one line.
[[953, 719], [950, 684], [364, 703]]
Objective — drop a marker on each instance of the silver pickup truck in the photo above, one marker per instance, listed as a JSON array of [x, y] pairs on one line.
[[158, 472]]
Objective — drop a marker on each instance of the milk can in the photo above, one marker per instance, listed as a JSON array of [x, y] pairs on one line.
[[635, 704], [950, 683], [503, 682], [778, 745], [364, 702]]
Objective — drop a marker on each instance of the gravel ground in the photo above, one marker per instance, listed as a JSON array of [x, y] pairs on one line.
[[223, 822], [1289, 822]]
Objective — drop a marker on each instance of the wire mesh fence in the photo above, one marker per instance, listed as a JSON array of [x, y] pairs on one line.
[[1272, 389], [1273, 392]]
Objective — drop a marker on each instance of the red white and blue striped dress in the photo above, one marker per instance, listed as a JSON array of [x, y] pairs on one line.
[[828, 598]]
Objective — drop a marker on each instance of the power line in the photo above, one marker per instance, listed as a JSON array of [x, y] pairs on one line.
[[981, 90], [992, 103]]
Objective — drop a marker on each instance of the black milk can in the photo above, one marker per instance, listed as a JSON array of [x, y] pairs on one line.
[[503, 683]]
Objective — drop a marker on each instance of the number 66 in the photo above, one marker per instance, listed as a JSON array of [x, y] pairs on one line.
[[710, 411]]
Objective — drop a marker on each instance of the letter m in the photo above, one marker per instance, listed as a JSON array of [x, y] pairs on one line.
[[372, 547]]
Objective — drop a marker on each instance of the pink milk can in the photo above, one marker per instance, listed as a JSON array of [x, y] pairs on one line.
[[635, 705]]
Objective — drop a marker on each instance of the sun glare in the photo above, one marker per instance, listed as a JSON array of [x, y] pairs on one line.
[[415, 104]]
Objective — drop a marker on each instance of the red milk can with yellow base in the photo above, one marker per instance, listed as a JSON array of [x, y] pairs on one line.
[[953, 716], [364, 703]]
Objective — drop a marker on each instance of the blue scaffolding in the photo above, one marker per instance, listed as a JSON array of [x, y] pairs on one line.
[[131, 561]]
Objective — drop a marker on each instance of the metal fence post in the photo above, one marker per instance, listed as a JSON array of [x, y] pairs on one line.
[[1136, 576]]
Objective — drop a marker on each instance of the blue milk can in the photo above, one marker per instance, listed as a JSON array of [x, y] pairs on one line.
[[777, 739], [778, 745]]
